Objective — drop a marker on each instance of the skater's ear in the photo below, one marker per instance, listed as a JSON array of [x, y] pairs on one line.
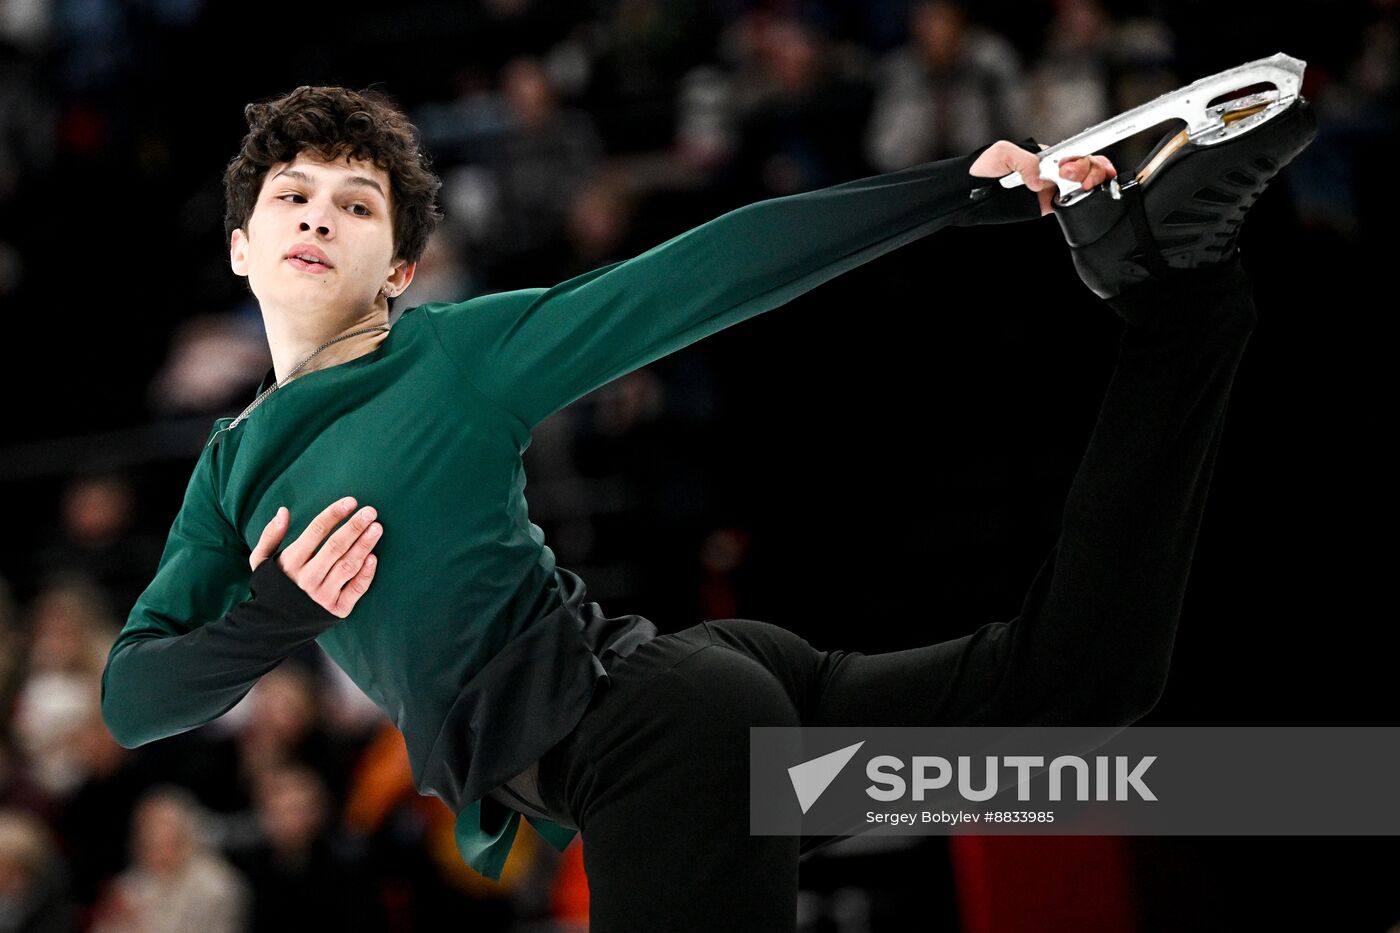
[[238, 252]]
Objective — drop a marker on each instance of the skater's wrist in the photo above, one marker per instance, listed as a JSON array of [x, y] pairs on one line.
[[989, 202], [272, 587]]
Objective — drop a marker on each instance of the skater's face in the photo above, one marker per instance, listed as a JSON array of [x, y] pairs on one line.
[[340, 213]]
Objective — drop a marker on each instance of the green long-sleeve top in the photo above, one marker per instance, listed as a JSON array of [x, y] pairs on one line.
[[481, 651]]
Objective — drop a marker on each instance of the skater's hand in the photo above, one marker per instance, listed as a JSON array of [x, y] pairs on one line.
[[339, 573], [1003, 157]]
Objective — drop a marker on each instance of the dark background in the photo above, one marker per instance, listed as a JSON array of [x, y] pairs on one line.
[[877, 465]]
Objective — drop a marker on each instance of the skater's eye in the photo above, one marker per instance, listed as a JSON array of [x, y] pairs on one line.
[[363, 212]]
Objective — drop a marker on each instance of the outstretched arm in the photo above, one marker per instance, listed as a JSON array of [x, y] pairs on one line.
[[176, 664], [535, 350]]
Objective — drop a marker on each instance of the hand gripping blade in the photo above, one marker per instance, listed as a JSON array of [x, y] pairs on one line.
[[1205, 125]]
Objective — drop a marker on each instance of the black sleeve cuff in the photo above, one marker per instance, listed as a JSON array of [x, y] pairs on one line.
[[998, 205], [274, 590]]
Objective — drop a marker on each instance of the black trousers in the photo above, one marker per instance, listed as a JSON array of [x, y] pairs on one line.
[[656, 773]]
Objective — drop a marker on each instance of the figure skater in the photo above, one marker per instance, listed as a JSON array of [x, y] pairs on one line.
[[516, 695]]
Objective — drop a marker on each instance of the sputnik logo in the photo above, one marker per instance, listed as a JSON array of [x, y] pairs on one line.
[[811, 778]]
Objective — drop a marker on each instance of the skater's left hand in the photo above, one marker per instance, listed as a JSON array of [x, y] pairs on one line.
[[1003, 157]]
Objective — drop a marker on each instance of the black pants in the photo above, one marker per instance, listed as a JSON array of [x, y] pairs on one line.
[[656, 774]]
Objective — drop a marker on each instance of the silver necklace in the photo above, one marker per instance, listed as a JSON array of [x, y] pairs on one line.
[[291, 375]]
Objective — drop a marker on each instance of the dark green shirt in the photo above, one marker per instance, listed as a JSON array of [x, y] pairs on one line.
[[482, 652]]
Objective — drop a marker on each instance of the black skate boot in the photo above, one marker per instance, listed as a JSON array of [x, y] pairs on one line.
[[1182, 208]]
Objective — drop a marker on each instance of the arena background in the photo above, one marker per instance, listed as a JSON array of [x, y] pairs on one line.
[[766, 472]]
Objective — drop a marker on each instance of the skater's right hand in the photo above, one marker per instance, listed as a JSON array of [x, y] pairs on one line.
[[1004, 157], [339, 573]]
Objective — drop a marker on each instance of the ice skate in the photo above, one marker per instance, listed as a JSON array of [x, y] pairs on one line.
[[1184, 204]]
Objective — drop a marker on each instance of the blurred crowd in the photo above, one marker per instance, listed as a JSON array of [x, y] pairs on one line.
[[567, 135]]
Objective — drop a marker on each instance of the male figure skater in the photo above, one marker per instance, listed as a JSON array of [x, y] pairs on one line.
[[516, 696]]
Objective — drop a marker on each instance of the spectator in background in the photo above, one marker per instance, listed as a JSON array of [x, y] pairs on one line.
[[1070, 83], [541, 159], [952, 88], [70, 631], [95, 538], [705, 134], [33, 886], [282, 724], [305, 873], [176, 882], [799, 101], [94, 823], [599, 222], [69, 621]]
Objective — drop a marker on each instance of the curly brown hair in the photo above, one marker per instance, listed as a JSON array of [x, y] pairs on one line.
[[331, 123]]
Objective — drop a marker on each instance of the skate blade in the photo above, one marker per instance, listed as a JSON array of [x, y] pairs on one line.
[[1207, 123]]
